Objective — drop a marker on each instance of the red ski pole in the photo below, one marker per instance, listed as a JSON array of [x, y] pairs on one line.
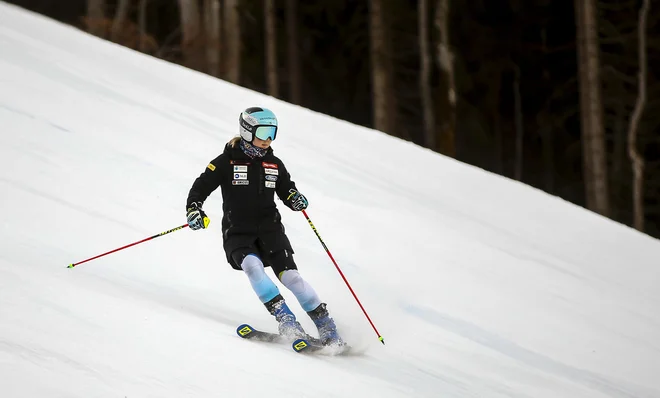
[[343, 277], [132, 244]]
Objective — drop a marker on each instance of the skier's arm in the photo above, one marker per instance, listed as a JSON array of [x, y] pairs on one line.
[[287, 191], [207, 182]]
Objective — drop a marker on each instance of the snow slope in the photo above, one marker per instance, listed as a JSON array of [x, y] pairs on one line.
[[481, 286]]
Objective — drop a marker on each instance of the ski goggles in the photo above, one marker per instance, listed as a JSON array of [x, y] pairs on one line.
[[261, 131], [265, 132]]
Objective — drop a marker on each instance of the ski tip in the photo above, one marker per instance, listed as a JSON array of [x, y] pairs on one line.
[[299, 345], [244, 330]]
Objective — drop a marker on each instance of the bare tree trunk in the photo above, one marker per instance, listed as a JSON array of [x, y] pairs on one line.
[[498, 138], [635, 157], [446, 61], [292, 48], [142, 21], [546, 128], [519, 123], [618, 157], [271, 49], [232, 37], [190, 26], [425, 76], [96, 17], [591, 108], [212, 25], [547, 136], [381, 81], [120, 19]]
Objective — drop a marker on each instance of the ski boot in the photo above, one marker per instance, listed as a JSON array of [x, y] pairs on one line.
[[326, 326], [288, 326]]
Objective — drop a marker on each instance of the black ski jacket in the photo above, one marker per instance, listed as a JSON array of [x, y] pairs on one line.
[[248, 193]]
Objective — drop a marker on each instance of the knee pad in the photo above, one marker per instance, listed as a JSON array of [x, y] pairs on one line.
[[253, 267], [292, 280], [303, 291], [261, 283]]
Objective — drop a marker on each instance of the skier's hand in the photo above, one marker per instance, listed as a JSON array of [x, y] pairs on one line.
[[297, 201], [197, 219]]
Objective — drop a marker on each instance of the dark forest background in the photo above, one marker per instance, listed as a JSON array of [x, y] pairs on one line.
[[561, 95]]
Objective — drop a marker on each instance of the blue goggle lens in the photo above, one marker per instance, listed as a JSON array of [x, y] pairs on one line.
[[266, 132]]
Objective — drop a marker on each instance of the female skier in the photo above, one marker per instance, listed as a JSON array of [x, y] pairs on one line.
[[249, 175]]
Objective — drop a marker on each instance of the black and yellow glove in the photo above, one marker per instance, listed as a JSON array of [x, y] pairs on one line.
[[297, 201], [197, 219]]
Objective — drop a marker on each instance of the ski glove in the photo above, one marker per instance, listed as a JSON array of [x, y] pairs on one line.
[[197, 219], [297, 200]]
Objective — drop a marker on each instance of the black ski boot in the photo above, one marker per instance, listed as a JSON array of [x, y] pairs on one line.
[[326, 326], [288, 326]]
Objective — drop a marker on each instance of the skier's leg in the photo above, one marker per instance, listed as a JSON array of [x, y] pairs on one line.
[[269, 294], [262, 285], [286, 269], [287, 272], [304, 292]]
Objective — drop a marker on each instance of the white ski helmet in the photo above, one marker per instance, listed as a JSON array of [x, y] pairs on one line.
[[257, 122]]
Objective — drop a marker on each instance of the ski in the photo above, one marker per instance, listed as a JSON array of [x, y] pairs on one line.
[[305, 346], [248, 332], [308, 345]]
